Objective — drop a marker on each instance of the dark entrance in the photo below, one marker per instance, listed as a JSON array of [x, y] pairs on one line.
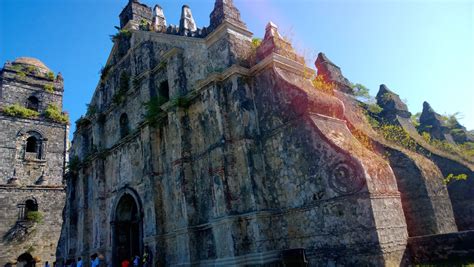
[[25, 260], [127, 230]]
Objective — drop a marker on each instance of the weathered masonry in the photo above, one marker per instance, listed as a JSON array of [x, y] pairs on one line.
[[203, 147], [33, 139]]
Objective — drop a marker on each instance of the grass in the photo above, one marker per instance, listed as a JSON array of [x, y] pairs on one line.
[[466, 150], [17, 110], [104, 73], [451, 177], [50, 75], [34, 216], [124, 85], [54, 113], [320, 84], [398, 135], [154, 111], [121, 35], [49, 88]]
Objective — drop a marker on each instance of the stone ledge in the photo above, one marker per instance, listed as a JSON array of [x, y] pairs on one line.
[[32, 187], [448, 249], [39, 120]]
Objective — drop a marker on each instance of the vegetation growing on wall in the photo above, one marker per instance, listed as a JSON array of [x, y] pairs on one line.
[[54, 113], [74, 164], [49, 88], [121, 35], [465, 150], [181, 102], [124, 84], [451, 177], [91, 110], [320, 84], [50, 75], [136, 82], [104, 73], [397, 135], [17, 110], [32, 70], [21, 74], [154, 113], [252, 56], [34, 216], [144, 25]]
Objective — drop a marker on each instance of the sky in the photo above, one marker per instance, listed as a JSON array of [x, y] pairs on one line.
[[423, 50]]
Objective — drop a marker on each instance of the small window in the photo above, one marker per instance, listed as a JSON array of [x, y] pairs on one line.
[[31, 205], [164, 90], [124, 125], [31, 144], [33, 103], [34, 145], [24, 208]]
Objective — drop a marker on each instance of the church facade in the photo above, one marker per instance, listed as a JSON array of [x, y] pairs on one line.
[[203, 146]]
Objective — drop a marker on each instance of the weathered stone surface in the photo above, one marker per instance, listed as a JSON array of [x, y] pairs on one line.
[[186, 23], [159, 20], [331, 73], [453, 249], [392, 105], [274, 43], [434, 124], [460, 192], [249, 151], [31, 173], [425, 199], [224, 10], [245, 162], [134, 13]]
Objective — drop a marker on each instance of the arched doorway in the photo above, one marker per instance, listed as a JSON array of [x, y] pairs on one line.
[[127, 229], [25, 260]]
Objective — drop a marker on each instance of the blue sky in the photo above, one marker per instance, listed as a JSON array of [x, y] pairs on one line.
[[422, 50]]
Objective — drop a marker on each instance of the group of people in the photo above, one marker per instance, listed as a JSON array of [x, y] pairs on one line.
[[144, 261], [98, 261]]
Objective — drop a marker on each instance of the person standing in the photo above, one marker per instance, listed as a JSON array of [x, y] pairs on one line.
[[46, 264], [136, 261], [125, 263], [95, 260], [147, 259], [79, 262]]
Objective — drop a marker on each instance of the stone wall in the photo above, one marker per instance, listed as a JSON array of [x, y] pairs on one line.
[[39, 239], [246, 155], [15, 161], [245, 162], [454, 249], [16, 90], [32, 194]]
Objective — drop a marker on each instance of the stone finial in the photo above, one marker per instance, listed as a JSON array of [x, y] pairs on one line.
[[224, 10], [159, 20], [273, 42], [331, 73], [186, 23], [392, 105], [59, 77], [271, 30], [436, 125]]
